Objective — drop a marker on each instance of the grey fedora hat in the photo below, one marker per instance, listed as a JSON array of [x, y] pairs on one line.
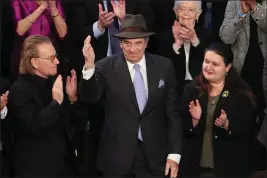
[[133, 26]]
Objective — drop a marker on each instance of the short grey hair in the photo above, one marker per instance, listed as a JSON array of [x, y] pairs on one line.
[[198, 3]]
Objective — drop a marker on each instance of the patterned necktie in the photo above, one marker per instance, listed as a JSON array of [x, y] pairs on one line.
[[140, 92], [113, 29]]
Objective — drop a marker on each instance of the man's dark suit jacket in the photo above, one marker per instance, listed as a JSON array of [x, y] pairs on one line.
[[230, 148], [85, 13], [160, 122], [4, 137], [43, 129], [196, 55]]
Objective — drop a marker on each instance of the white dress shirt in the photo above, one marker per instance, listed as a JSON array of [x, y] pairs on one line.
[[176, 48], [87, 74], [98, 33], [3, 113]]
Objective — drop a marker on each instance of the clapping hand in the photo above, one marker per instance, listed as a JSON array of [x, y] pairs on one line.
[[176, 33], [3, 100], [119, 8], [105, 18], [195, 110], [88, 53], [42, 3], [71, 86], [222, 121], [57, 90]]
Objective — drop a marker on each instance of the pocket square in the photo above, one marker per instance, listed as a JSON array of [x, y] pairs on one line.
[[161, 84]]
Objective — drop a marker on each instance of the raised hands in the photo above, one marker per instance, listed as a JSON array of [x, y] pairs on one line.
[[247, 5], [244, 6], [188, 34], [119, 8], [222, 121], [195, 111], [88, 53], [42, 3], [71, 86], [182, 34], [3, 100], [52, 3], [176, 33], [105, 18], [57, 90]]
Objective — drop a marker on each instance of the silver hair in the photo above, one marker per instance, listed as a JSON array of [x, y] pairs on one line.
[[197, 2]]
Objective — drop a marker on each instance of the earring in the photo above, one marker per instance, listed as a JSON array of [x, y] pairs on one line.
[[226, 73], [197, 20]]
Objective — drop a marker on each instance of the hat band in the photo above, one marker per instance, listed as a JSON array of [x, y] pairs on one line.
[[133, 29]]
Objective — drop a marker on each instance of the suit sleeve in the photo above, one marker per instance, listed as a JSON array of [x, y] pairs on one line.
[[232, 25], [92, 89], [174, 120], [79, 114], [259, 16], [28, 119], [241, 121]]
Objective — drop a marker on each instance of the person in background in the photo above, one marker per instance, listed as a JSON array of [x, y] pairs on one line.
[[141, 136], [184, 42], [36, 17], [245, 29], [217, 111], [44, 113]]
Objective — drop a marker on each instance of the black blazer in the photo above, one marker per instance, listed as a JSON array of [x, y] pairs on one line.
[[85, 13], [231, 148], [160, 122], [196, 55], [43, 129], [5, 131]]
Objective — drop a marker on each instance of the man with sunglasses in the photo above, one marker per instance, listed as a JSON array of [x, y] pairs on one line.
[[43, 114]]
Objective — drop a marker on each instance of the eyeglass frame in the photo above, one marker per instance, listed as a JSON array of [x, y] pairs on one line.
[[52, 58]]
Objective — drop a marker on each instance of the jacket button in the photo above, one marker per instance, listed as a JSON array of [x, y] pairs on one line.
[[191, 130], [257, 20], [215, 137], [260, 43]]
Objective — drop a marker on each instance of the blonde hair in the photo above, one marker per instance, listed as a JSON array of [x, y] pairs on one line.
[[30, 50]]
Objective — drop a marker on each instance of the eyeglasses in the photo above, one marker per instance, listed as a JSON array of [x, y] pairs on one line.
[[52, 58]]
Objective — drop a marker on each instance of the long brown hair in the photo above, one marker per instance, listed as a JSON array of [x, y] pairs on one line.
[[233, 80]]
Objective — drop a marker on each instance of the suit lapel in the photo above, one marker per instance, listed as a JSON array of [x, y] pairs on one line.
[[203, 100], [152, 82], [221, 102], [124, 78]]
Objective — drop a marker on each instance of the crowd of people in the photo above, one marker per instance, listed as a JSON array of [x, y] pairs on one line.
[[128, 88]]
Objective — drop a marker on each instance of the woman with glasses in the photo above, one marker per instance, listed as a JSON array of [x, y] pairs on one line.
[[217, 111]]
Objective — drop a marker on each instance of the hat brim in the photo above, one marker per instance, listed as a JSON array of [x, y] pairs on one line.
[[131, 35]]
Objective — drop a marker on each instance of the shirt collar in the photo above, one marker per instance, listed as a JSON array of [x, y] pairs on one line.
[[142, 63]]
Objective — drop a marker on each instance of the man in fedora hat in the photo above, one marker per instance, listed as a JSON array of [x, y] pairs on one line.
[[142, 133]]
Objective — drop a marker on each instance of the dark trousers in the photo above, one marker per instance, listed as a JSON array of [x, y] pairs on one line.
[[5, 165], [140, 166]]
